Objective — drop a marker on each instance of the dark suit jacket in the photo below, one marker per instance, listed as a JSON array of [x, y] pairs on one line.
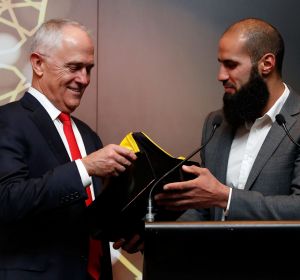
[[272, 191], [43, 224]]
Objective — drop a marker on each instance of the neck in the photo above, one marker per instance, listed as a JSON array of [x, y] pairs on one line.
[[276, 89]]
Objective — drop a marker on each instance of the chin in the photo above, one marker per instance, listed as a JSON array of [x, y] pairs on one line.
[[72, 107]]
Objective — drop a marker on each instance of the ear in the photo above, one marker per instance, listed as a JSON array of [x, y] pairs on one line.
[[266, 64], [37, 63]]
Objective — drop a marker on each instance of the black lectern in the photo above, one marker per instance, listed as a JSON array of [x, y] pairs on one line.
[[222, 250]]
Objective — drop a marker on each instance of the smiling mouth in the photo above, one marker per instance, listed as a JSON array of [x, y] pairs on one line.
[[77, 90]]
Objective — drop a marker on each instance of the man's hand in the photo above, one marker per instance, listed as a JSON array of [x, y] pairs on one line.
[[108, 161], [131, 245], [202, 192]]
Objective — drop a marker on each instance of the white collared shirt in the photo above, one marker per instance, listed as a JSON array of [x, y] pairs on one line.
[[54, 113], [246, 145]]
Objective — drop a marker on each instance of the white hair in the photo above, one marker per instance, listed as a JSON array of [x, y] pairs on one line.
[[50, 33]]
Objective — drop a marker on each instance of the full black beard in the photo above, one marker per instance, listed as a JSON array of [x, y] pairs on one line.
[[246, 104]]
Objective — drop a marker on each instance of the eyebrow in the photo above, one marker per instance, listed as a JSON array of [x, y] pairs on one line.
[[71, 63], [227, 61]]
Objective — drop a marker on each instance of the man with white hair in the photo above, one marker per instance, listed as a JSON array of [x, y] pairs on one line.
[[51, 165]]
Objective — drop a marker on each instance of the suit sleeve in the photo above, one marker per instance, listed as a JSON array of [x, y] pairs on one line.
[[23, 194]]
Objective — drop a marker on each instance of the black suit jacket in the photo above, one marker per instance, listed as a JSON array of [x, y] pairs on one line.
[[43, 224]]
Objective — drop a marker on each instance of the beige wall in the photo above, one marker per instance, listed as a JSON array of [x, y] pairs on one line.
[[156, 69]]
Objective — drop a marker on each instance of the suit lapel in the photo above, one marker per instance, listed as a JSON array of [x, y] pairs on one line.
[[87, 140], [220, 157], [46, 126], [274, 137], [90, 147]]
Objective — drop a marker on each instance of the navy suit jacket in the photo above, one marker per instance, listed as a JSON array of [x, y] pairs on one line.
[[43, 224]]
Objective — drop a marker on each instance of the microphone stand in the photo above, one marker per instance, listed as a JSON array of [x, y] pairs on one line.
[[150, 214]]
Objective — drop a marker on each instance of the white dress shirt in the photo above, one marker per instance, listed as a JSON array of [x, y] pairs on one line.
[[54, 113], [246, 145]]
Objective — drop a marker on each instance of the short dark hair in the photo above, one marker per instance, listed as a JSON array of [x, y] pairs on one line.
[[261, 38]]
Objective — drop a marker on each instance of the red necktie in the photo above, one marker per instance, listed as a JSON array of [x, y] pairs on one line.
[[95, 251]]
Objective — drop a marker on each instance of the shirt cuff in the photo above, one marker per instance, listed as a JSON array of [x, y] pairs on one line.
[[85, 178], [228, 203]]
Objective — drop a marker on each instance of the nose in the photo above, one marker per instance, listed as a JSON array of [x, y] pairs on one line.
[[223, 74], [83, 77]]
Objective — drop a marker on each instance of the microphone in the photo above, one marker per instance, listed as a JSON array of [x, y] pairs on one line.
[[281, 121], [150, 215]]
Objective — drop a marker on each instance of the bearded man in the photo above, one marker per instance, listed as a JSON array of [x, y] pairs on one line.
[[250, 169]]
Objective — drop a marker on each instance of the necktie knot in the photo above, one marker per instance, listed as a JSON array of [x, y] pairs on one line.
[[64, 118]]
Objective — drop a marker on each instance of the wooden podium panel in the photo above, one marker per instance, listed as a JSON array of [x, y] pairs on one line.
[[222, 250]]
